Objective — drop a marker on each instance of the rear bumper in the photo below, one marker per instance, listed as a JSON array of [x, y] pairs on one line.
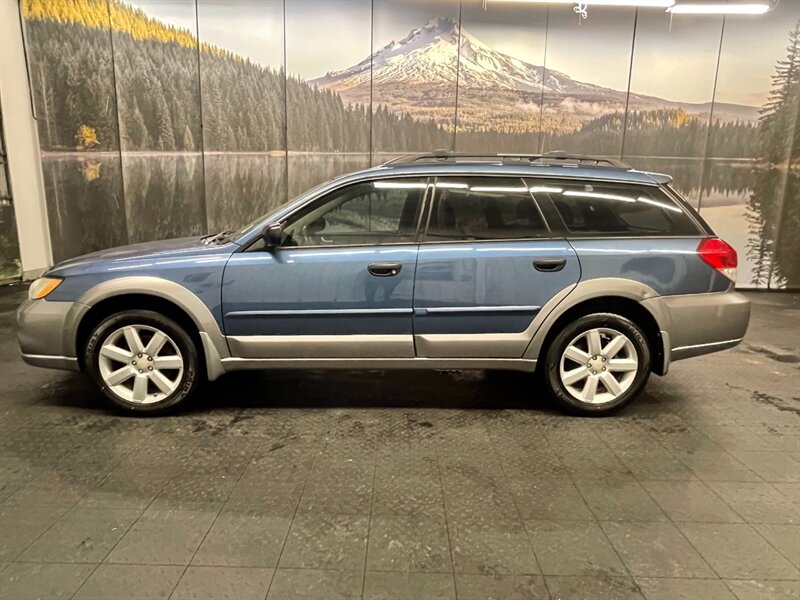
[[701, 323]]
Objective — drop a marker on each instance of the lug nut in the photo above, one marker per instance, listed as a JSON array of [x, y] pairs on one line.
[[133, 362], [604, 359], [604, 368], [593, 372], [140, 355], [140, 371], [151, 368], [150, 359]]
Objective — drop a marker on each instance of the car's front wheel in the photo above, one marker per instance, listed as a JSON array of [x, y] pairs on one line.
[[144, 362], [597, 364]]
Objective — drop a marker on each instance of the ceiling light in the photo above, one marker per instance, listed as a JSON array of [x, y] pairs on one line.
[[657, 203], [544, 189], [398, 185], [499, 189], [598, 195], [718, 8], [451, 185], [638, 3]]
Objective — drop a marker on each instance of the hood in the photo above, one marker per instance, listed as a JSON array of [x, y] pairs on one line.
[[143, 252]]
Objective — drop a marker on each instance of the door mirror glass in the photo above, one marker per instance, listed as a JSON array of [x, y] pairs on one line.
[[273, 235]]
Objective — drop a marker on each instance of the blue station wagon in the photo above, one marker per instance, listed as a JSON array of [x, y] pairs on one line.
[[588, 272]]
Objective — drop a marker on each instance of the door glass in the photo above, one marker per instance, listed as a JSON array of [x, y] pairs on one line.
[[367, 213], [483, 208]]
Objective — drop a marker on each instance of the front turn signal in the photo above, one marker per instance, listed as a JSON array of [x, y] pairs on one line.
[[42, 287]]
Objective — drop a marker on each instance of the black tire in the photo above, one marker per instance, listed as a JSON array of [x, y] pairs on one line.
[[189, 380], [551, 373]]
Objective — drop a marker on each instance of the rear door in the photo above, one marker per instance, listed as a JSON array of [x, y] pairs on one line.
[[486, 267]]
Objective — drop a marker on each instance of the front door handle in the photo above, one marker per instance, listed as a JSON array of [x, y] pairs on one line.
[[384, 269], [549, 265]]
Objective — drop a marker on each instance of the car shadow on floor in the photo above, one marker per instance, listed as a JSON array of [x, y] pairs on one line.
[[338, 389], [481, 390]]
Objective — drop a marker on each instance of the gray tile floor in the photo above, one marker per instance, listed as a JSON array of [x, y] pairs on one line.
[[409, 485]]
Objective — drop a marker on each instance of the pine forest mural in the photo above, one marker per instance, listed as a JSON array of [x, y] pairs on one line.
[[169, 118]]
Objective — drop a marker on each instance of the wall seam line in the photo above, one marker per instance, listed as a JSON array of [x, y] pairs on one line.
[[200, 106], [630, 78], [119, 122], [704, 165]]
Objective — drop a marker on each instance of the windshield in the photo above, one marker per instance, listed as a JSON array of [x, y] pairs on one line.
[[244, 230]]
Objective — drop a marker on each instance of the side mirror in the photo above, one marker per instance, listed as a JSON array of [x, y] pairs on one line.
[[273, 236]]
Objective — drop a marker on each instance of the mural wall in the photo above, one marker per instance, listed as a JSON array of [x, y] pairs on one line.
[[163, 118]]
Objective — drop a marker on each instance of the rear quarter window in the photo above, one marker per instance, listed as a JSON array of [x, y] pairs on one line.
[[594, 208]]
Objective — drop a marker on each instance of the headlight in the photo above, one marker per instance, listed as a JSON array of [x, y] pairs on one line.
[[42, 287]]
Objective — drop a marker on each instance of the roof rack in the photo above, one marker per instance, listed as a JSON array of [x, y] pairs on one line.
[[548, 158]]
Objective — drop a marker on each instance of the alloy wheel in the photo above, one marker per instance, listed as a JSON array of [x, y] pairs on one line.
[[598, 366], [140, 364]]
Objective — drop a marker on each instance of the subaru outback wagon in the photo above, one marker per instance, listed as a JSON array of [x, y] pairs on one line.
[[582, 269]]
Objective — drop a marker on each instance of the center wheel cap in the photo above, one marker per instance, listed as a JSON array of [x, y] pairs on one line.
[[596, 364], [142, 362]]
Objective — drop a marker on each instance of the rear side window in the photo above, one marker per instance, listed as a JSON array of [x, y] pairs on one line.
[[615, 210], [483, 208]]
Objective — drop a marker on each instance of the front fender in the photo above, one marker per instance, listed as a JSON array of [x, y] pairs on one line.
[[215, 347]]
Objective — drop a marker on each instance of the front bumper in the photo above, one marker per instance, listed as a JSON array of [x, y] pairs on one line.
[[701, 323], [46, 333]]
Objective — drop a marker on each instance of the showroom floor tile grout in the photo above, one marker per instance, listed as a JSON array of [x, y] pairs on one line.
[[133, 524], [669, 518], [369, 521], [446, 519], [718, 496], [316, 455], [211, 526]]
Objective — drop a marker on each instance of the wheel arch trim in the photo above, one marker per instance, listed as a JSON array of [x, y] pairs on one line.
[[215, 347], [590, 290]]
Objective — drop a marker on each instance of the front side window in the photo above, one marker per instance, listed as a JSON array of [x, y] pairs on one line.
[[368, 213], [614, 210], [483, 208]]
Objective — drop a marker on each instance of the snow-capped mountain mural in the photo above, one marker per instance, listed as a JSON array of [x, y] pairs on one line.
[[417, 73]]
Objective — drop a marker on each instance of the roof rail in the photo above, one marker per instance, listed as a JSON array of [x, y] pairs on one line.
[[556, 157]]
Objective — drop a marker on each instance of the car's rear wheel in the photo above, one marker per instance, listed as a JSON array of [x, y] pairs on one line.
[[143, 362], [597, 364]]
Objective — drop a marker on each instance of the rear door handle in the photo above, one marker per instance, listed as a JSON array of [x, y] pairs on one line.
[[549, 265], [384, 269]]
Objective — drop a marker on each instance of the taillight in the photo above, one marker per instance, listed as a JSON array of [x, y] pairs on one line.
[[720, 255]]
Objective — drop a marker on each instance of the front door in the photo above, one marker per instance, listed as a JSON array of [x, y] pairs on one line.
[[486, 267], [341, 283]]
